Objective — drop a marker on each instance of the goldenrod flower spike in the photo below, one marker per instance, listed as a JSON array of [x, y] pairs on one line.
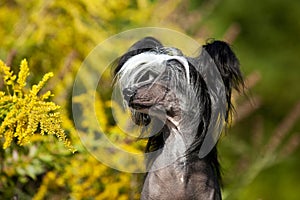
[[24, 114], [22, 76]]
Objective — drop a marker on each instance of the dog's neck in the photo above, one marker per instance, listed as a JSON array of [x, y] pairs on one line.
[[179, 134], [178, 175], [174, 149], [185, 126]]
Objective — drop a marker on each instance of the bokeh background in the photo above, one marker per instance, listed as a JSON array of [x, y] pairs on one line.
[[259, 154]]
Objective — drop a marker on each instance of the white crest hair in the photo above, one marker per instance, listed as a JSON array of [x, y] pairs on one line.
[[147, 59]]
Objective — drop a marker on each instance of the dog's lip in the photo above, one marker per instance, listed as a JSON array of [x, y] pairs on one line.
[[156, 109], [140, 106]]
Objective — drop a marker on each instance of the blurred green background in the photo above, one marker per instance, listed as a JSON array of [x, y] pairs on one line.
[[259, 154]]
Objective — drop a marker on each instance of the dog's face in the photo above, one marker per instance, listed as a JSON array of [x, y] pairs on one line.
[[158, 85]]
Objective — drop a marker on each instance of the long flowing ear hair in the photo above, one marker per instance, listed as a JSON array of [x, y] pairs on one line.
[[219, 54], [229, 68]]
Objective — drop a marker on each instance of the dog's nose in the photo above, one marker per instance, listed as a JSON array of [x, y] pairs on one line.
[[128, 93]]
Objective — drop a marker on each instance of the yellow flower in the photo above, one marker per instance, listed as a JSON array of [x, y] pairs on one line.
[[26, 114], [36, 88], [8, 138], [8, 77], [22, 76]]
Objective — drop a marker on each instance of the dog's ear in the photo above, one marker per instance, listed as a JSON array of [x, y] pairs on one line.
[[228, 66], [141, 46]]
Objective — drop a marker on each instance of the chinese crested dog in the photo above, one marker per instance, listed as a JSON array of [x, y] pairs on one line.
[[185, 102]]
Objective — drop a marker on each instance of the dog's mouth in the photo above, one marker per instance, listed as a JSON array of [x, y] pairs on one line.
[[141, 107], [146, 106]]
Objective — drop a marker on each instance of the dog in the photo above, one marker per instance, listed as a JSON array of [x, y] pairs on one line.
[[186, 102]]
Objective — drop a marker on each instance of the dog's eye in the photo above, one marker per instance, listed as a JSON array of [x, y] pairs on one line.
[[148, 76]]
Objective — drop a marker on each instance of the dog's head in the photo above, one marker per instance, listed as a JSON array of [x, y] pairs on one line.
[[160, 82]]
